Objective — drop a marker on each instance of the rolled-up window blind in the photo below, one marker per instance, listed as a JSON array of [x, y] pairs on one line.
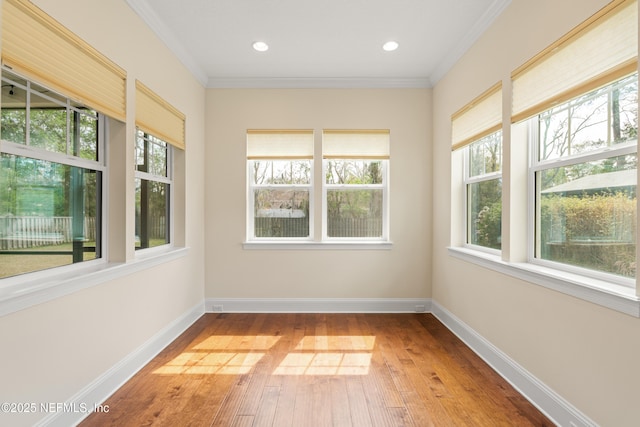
[[356, 144], [279, 144], [602, 49], [43, 50], [479, 118], [159, 118]]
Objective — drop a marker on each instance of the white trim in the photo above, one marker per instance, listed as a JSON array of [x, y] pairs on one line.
[[21, 292], [106, 384], [360, 245], [481, 25], [560, 411], [616, 297], [146, 13], [317, 83], [318, 305]]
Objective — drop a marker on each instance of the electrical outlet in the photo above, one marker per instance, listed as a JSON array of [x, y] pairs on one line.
[[217, 307], [420, 308]]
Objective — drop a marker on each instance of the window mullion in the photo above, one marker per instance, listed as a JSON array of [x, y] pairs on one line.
[[484, 177], [27, 128], [150, 177], [356, 186], [603, 153], [49, 156]]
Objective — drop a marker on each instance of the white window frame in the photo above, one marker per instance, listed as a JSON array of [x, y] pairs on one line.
[[68, 159], [168, 179], [467, 181], [384, 186], [252, 188], [536, 166]]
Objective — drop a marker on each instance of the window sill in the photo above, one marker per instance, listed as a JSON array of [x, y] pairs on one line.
[[24, 291], [313, 245], [606, 294]]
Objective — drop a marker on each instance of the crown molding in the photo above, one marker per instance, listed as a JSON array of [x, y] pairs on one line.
[[318, 83], [146, 13], [454, 55]]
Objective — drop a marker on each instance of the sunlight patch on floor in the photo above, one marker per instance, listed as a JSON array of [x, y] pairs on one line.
[[222, 363], [324, 364], [238, 354]]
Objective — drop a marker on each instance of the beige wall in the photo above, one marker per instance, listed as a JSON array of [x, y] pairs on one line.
[[402, 272], [51, 351], [586, 353]]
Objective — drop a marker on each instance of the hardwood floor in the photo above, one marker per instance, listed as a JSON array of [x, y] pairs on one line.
[[317, 370]]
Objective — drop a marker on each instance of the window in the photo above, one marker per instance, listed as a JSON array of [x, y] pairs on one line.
[[584, 175], [153, 191], [355, 197], [476, 128], [483, 187], [51, 174], [280, 177], [354, 186], [160, 129]]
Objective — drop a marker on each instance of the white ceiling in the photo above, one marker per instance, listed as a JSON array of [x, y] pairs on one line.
[[318, 43]]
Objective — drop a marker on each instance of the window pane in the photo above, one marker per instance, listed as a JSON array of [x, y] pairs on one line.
[[589, 124], [485, 155], [87, 135], [141, 163], [157, 159], [152, 214], [354, 213], [14, 116], [354, 172], [270, 172], [485, 213], [624, 120], [596, 120], [49, 215], [48, 125], [281, 213], [151, 155], [554, 133], [587, 215]]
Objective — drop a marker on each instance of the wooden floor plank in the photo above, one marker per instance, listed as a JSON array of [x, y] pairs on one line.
[[341, 370], [267, 407], [340, 407], [358, 402], [286, 401]]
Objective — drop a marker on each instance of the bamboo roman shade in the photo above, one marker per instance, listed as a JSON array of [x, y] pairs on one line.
[[479, 118], [41, 49], [355, 144], [279, 144], [598, 51], [159, 118]]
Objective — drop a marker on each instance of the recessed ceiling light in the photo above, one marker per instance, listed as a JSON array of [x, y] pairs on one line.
[[260, 46], [390, 46]]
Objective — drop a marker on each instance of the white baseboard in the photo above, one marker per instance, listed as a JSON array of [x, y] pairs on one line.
[[105, 385], [561, 412], [318, 305]]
